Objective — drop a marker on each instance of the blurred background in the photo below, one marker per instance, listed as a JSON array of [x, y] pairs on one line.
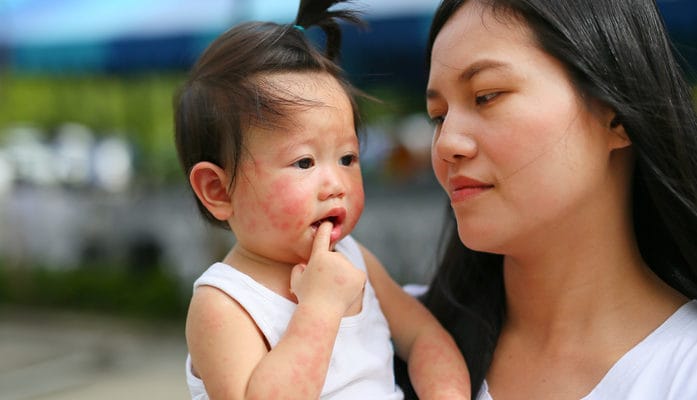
[[100, 239]]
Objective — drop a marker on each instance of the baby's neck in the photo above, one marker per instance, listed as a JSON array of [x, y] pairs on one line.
[[272, 274]]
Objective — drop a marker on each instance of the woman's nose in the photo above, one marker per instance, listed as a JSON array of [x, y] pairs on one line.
[[452, 142]]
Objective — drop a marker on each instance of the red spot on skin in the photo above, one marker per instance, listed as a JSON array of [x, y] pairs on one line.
[[265, 206], [292, 206], [307, 366], [340, 280], [272, 215], [250, 223]]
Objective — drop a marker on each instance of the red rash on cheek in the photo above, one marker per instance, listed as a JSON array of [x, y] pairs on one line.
[[250, 224], [243, 202], [358, 195], [292, 208], [287, 204], [267, 208]]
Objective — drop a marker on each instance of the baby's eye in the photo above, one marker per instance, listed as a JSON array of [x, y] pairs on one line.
[[348, 159], [485, 98], [304, 163]]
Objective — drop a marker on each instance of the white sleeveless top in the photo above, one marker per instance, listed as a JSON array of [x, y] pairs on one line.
[[361, 362], [663, 366]]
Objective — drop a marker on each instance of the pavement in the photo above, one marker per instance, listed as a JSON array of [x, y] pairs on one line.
[[61, 355]]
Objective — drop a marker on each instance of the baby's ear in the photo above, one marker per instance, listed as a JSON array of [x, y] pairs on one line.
[[210, 183]]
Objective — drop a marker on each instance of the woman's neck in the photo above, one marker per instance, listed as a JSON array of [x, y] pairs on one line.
[[587, 285]]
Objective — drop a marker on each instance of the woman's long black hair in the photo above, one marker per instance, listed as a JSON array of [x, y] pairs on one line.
[[619, 53]]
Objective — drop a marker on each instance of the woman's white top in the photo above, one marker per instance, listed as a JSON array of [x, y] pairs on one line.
[[663, 366], [361, 362]]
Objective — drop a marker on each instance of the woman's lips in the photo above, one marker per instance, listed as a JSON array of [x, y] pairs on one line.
[[463, 188]]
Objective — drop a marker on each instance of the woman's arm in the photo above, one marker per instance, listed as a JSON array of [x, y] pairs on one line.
[[437, 369]]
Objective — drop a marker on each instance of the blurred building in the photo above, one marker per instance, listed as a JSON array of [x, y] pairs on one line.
[[72, 194], [127, 35]]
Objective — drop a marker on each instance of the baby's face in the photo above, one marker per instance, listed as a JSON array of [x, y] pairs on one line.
[[292, 178]]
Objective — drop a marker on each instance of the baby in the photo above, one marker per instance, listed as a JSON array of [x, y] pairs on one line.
[[266, 131]]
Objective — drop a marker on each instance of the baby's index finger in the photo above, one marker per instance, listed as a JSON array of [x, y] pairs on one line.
[[323, 237]]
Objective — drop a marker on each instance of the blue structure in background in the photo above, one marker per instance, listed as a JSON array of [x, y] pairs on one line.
[[390, 51], [681, 19]]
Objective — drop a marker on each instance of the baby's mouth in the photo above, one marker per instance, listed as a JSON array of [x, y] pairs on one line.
[[335, 216], [333, 220]]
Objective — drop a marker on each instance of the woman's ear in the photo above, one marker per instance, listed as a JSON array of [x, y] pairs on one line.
[[618, 138], [210, 183]]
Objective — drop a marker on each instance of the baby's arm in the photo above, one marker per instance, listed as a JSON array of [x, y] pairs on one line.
[[437, 369], [229, 352]]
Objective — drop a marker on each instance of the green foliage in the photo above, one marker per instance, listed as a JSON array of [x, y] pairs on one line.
[[144, 295], [138, 107]]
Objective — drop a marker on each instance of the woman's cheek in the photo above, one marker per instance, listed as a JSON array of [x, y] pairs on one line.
[[439, 171]]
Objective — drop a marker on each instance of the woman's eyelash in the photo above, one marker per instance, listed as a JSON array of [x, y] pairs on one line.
[[485, 98], [478, 100], [437, 120]]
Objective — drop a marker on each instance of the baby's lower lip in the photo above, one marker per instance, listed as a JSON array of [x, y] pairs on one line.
[[336, 233]]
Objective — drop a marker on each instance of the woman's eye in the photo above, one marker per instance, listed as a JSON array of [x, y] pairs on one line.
[[483, 99], [304, 163], [348, 159], [437, 120]]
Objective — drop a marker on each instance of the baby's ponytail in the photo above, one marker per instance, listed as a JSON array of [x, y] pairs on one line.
[[227, 91], [317, 13]]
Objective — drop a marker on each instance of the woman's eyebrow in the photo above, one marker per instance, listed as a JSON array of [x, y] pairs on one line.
[[482, 65], [471, 71]]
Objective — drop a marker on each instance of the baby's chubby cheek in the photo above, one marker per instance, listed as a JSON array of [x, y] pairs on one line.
[[285, 206], [357, 201]]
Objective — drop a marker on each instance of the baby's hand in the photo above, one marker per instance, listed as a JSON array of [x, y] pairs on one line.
[[329, 279]]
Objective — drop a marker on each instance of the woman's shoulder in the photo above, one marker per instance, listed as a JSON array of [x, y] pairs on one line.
[[673, 344], [679, 330], [664, 365]]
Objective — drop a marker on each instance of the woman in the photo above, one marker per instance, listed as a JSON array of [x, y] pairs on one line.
[[566, 140]]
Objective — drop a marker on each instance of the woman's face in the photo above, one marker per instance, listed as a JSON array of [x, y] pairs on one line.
[[521, 156]]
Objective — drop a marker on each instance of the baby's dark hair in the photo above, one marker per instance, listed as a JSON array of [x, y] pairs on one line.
[[225, 93]]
